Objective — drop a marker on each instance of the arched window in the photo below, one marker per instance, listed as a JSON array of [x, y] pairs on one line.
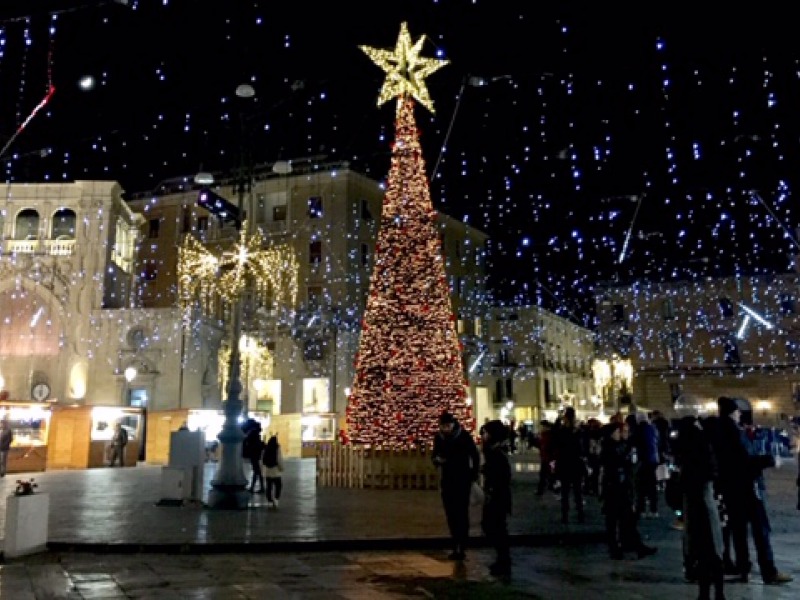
[[63, 224], [27, 225]]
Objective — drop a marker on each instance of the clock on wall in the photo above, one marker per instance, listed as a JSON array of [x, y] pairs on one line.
[[40, 392]]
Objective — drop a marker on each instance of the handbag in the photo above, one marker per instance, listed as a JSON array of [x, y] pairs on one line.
[[662, 472], [476, 495]]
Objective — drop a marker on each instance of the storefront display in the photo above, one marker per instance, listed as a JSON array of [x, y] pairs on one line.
[[80, 436], [30, 423]]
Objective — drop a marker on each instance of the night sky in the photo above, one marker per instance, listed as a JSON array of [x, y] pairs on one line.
[[606, 145]]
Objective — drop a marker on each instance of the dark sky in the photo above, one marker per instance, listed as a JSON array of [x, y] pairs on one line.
[[607, 145]]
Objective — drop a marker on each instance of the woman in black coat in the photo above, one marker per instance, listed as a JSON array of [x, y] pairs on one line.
[[497, 491], [618, 495]]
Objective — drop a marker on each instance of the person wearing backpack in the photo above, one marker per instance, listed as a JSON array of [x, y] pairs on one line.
[[273, 469]]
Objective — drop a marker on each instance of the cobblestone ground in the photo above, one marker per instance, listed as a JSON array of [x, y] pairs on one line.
[[565, 566]]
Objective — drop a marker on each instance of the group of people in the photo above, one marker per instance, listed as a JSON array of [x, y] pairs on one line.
[[266, 463], [625, 463], [721, 473]]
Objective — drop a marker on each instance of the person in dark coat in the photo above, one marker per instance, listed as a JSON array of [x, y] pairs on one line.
[[570, 466], [252, 447], [618, 495], [738, 472], [544, 442], [458, 460], [497, 494], [702, 532]]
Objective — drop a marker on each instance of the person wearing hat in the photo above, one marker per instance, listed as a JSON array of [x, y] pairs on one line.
[[737, 482], [458, 460], [760, 458], [497, 493]]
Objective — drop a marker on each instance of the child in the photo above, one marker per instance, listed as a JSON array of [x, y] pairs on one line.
[[497, 489], [273, 463]]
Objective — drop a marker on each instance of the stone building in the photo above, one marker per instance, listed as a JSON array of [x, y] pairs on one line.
[[535, 362], [693, 341]]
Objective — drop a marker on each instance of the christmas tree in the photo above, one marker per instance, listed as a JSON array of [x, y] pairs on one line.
[[408, 366]]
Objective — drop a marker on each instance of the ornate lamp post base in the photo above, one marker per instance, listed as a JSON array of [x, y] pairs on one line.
[[228, 488]]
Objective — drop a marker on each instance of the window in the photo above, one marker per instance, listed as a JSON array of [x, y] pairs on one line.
[[315, 253], [725, 307], [315, 207], [675, 391], [793, 350], [63, 224], [27, 225], [314, 296], [673, 349], [787, 304], [153, 227], [619, 313], [365, 212], [279, 212], [186, 217], [202, 223], [478, 327], [150, 272], [796, 392], [732, 353], [364, 255], [668, 309]]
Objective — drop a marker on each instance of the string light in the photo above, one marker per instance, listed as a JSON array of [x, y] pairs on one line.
[[408, 365], [205, 276]]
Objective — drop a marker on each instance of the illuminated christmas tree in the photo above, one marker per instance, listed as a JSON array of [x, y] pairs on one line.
[[408, 367]]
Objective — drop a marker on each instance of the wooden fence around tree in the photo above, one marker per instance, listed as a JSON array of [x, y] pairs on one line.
[[376, 468]]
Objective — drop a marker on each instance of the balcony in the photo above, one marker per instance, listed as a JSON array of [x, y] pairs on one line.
[[48, 247]]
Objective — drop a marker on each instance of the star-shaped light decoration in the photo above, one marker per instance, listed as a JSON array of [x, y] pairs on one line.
[[202, 274], [405, 69]]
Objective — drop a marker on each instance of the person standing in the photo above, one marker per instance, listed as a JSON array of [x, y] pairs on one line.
[[273, 470], [738, 473], [252, 447], [118, 442], [6, 439], [761, 458], [649, 458], [544, 442], [458, 460], [570, 465], [497, 494], [617, 496], [702, 531]]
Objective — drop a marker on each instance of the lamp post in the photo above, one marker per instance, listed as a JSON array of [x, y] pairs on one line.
[[205, 275], [229, 484]]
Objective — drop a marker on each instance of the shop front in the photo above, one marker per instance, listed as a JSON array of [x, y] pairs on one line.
[[80, 436], [30, 424]]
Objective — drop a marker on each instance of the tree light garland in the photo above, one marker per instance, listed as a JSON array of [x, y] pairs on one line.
[[203, 275], [408, 366]]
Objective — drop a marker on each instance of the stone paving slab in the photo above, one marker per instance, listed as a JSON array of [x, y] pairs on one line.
[[551, 561]]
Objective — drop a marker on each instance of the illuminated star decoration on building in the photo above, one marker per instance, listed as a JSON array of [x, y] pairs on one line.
[[202, 274], [405, 69]]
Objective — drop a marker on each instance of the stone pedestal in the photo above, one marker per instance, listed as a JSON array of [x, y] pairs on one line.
[[26, 524]]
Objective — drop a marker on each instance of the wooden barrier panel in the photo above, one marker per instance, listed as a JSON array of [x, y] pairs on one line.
[[375, 468]]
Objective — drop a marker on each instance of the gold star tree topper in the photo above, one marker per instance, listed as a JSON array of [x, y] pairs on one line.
[[405, 69]]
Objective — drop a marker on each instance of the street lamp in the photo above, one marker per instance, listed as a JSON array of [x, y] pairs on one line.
[[228, 275]]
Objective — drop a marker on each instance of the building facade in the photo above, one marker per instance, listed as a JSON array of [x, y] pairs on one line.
[[692, 341], [534, 363]]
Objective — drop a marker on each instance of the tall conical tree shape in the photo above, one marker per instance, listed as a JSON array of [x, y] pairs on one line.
[[408, 366]]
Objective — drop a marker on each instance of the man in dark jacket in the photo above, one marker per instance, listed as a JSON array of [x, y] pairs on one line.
[[737, 479], [458, 460], [570, 465]]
